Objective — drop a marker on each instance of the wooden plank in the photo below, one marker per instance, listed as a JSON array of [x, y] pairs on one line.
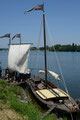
[[40, 95], [45, 94], [49, 111], [60, 92]]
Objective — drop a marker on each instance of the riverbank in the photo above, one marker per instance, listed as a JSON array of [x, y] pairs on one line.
[[14, 104], [62, 48]]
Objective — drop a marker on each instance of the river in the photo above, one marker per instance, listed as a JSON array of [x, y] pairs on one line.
[[67, 64]]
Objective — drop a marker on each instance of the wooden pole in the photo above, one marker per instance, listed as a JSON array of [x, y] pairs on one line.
[[20, 38], [45, 46], [9, 41]]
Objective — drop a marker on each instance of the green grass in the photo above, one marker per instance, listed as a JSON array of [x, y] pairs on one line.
[[9, 95], [25, 109]]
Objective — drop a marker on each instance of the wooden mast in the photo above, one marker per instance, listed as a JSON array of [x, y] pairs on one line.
[[45, 57], [20, 38]]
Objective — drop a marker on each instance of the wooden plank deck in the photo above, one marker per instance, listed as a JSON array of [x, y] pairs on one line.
[[45, 94], [48, 93], [60, 92]]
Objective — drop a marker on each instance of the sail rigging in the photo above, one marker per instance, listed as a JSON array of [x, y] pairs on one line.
[[18, 57]]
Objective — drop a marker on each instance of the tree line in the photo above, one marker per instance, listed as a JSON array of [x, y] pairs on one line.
[[59, 47]]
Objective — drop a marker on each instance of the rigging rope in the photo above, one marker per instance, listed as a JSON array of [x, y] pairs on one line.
[[38, 45], [63, 81]]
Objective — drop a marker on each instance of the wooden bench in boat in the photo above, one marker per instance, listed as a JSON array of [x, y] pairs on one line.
[[48, 93]]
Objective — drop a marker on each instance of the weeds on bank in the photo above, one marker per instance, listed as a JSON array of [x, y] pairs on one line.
[[9, 95]]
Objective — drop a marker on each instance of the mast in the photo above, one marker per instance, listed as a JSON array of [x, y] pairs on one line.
[[20, 38], [45, 57], [9, 41], [41, 7]]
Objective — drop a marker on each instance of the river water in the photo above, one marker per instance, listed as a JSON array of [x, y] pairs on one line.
[[66, 63]]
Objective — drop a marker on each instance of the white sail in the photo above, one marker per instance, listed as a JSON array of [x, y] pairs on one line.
[[18, 57], [56, 76]]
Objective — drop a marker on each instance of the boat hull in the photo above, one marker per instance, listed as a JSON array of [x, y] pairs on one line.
[[59, 106]]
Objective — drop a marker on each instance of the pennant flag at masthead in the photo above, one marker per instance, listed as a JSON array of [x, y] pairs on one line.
[[38, 7], [16, 36], [7, 35]]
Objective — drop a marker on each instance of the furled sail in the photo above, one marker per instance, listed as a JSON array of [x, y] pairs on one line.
[[56, 76], [18, 57]]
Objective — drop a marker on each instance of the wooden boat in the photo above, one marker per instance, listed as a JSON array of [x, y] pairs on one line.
[[52, 96], [46, 92]]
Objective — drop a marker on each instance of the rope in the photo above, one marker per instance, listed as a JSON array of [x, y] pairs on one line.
[[38, 45], [40, 36], [58, 63], [63, 81]]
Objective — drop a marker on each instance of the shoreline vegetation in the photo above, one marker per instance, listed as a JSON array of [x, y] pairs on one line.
[[61, 48], [14, 104], [58, 47]]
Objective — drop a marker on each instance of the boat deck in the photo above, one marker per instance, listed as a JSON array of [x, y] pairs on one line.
[[51, 93]]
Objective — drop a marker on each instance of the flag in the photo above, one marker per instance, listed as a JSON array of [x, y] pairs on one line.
[[7, 35], [38, 7], [16, 36]]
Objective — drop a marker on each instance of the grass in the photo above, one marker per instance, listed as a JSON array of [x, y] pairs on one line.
[[9, 97], [9, 114]]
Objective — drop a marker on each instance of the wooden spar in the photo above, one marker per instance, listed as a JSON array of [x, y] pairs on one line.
[[9, 42], [20, 38], [45, 46]]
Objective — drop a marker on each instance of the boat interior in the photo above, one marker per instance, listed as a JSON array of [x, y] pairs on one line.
[[49, 92]]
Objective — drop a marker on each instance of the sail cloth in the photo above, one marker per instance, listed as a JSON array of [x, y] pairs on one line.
[[18, 57], [56, 76]]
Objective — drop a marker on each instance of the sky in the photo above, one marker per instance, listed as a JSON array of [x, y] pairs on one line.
[[62, 16]]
